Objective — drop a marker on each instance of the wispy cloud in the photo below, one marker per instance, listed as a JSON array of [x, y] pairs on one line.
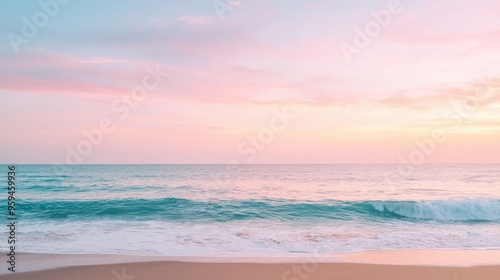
[[195, 20]]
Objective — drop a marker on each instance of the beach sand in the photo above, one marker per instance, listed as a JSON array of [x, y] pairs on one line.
[[106, 267]]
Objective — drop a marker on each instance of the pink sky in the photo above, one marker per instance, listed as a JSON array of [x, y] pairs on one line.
[[433, 67]]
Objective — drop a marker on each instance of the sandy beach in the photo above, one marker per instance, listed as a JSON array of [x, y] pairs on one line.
[[106, 267]]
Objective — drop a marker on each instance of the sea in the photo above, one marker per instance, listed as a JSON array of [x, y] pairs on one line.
[[253, 210]]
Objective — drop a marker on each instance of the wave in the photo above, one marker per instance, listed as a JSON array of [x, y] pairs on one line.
[[180, 209], [443, 210]]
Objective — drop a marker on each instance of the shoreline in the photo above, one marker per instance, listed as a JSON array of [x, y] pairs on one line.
[[424, 262], [264, 271]]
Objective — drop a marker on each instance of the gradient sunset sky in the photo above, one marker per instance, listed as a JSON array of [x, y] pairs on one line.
[[227, 76]]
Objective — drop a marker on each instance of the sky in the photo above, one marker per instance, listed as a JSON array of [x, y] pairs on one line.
[[250, 81]]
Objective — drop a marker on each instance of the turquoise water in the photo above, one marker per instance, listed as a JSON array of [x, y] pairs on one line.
[[203, 210], [179, 209]]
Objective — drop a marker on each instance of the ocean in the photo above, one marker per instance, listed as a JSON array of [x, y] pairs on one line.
[[254, 210]]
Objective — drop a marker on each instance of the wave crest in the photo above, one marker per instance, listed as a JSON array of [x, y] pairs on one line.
[[442, 210]]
